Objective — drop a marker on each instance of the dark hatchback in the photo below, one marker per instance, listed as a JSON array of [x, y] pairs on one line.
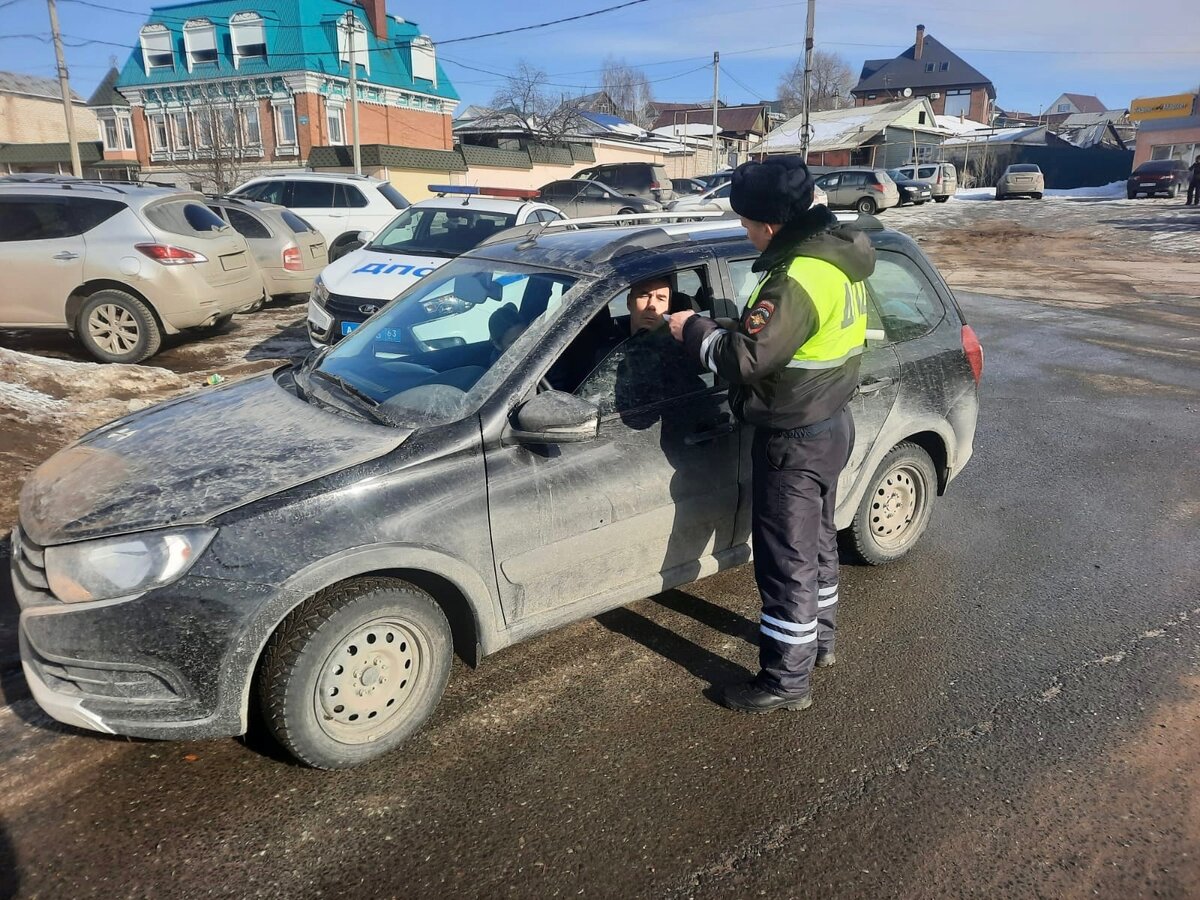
[[488, 458], [914, 192], [1158, 177]]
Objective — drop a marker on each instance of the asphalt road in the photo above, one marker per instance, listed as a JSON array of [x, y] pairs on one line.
[[1013, 713]]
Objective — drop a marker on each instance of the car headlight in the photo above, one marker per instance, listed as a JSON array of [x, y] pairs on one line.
[[123, 566], [320, 293]]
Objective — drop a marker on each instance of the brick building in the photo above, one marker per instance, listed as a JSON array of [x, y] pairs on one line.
[[31, 111], [928, 69], [259, 83]]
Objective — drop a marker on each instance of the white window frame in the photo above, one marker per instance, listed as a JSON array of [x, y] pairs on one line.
[[360, 49], [201, 31], [335, 114], [203, 138], [243, 28], [159, 142], [251, 113], [107, 122], [423, 59], [284, 146], [181, 136], [156, 40], [125, 123], [957, 94], [1063, 108]]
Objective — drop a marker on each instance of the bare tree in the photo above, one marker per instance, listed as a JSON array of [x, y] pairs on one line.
[[629, 90], [224, 140], [832, 80], [528, 95]]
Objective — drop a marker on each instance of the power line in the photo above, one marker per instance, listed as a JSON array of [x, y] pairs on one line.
[[742, 84], [587, 15]]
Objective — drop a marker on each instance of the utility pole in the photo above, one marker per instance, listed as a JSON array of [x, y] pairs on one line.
[[716, 83], [64, 83], [806, 130], [351, 31]]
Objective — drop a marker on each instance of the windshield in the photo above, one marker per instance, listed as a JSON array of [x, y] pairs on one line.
[[419, 359], [432, 231], [896, 175]]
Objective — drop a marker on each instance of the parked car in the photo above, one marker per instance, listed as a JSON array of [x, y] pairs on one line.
[[718, 199], [865, 189], [685, 186], [911, 191], [646, 180], [340, 206], [118, 266], [1167, 177], [289, 252], [941, 177], [426, 488], [415, 244], [581, 198], [1021, 179], [716, 179]]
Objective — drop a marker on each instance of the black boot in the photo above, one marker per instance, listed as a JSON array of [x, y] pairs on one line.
[[826, 658], [749, 697]]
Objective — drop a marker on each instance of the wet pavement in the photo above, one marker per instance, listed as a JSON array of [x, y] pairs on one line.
[[1013, 711]]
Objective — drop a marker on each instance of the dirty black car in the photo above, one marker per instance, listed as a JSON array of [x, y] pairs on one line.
[[487, 458]]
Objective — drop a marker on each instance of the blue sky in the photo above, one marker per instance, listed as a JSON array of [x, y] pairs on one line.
[[1032, 51]]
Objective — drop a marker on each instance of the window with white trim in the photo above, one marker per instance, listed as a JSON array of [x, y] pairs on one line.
[[353, 41], [253, 127], [958, 103], [424, 59], [159, 140], [285, 125], [336, 123], [1063, 108], [157, 52], [229, 127], [248, 35], [204, 134], [109, 134], [126, 131], [183, 135], [200, 42]]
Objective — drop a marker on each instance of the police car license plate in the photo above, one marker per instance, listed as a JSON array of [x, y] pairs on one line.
[[348, 327], [385, 335]]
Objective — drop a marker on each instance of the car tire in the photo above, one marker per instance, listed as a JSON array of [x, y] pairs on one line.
[[117, 327], [1173, 191], [867, 206], [404, 643], [1037, 196], [895, 510], [940, 199], [1131, 195], [626, 212], [1000, 196]]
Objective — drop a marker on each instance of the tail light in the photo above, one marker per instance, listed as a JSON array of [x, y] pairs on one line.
[[170, 256], [974, 351], [877, 186], [655, 186], [291, 259]]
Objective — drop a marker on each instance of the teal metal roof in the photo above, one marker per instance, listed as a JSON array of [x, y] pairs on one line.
[[301, 35]]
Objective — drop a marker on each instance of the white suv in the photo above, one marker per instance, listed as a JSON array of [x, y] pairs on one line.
[[339, 206]]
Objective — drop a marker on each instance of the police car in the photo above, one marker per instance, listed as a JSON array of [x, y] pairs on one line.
[[421, 239]]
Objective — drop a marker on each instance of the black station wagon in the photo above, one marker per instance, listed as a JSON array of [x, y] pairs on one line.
[[488, 457]]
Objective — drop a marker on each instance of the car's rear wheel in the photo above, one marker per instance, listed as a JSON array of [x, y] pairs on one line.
[[867, 206], [117, 327], [895, 510], [355, 671], [1037, 196]]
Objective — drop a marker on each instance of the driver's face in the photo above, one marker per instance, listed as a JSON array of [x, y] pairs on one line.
[[647, 304]]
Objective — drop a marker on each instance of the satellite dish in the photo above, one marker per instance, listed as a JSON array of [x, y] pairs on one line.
[[907, 92]]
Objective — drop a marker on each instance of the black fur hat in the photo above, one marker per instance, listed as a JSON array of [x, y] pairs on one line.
[[776, 191]]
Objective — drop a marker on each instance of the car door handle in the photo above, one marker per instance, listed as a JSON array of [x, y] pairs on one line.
[[701, 437], [66, 255], [875, 384]]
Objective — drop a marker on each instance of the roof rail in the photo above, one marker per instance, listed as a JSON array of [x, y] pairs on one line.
[[531, 232]]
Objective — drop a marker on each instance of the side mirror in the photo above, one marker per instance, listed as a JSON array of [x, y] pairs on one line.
[[554, 417], [365, 236]]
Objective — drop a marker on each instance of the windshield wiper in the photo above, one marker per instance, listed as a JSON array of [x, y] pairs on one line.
[[364, 402]]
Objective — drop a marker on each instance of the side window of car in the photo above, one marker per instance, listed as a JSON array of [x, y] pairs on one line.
[[33, 219], [831, 181], [632, 372], [744, 278], [545, 215], [857, 179], [908, 305], [347, 196], [311, 195], [927, 172], [268, 192], [246, 225]]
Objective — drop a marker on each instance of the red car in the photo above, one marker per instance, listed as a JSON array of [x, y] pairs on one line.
[[1159, 176]]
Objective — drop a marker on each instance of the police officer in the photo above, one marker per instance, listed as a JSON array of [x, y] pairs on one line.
[[793, 363]]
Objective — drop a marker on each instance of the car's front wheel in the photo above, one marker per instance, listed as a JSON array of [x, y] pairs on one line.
[[940, 199], [896, 507], [117, 327], [355, 671]]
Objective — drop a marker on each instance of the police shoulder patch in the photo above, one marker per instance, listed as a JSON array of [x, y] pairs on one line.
[[758, 316]]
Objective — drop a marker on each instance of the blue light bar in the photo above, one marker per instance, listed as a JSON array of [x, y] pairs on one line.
[[452, 189]]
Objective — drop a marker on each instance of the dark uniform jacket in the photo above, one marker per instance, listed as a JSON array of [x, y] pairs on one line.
[[765, 391]]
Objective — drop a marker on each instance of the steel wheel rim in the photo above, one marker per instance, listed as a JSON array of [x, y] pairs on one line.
[[368, 679], [897, 505], [113, 328]]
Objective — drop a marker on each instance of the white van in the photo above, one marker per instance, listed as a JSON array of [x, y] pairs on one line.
[[941, 177]]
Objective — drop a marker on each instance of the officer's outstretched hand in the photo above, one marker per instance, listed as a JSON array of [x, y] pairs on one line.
[[677, 321]]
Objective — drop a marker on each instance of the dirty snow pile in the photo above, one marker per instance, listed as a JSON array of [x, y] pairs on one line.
[[1113, 191], [36, 389]]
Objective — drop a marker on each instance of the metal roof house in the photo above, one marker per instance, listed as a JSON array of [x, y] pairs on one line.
[[886, 135], [267, 80], [928, 69]]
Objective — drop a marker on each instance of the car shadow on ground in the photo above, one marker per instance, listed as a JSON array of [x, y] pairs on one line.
[[290, 342], [10, 882], [1156, 224], [705, 665]]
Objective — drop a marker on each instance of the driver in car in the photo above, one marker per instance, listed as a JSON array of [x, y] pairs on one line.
[[648, 302]]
